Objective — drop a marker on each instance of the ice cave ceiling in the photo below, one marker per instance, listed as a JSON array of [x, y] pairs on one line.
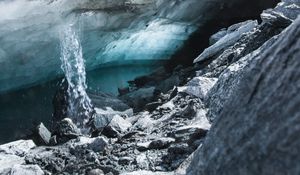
[[110, 31]]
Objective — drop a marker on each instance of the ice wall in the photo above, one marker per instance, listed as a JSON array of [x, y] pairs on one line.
[[112, 31]]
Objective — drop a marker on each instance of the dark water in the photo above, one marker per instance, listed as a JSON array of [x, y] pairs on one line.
[[22, 109]]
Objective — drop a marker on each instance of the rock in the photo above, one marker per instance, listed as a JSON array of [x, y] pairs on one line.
[[139, 98], [103, 118], [217, 36], [142, 161], [8, 160], [143, 172], [123, 91], [144, 146], [43, 134], [234, 34], [26, 170], [120, 124], [19, 148], [103, 101], [189, 134], [161, 143], [95, 172], [199, 86], [168, 84], [152, 106], [257, 131], [125, 160], [65, 130], [95, 144]]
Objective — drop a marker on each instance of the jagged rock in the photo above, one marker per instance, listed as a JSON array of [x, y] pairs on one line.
[[168, 84], [217, 36], [120, 124], [125, 160], [143, 172], [65, 130], [152, 106], [95, 172], [25, 170], [8, 160], [189, 134], [234, 34], [139, 98], [257, 132], [95, 144], [104, 101], [43, 135], [20, 147], [199, 86], [161, 143], [102, 118]]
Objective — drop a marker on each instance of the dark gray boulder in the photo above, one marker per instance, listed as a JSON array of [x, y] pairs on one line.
[[258, 129]]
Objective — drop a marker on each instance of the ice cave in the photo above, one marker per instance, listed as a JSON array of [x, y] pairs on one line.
[[149, 87]]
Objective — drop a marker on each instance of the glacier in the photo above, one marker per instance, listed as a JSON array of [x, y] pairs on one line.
[[110, 32]]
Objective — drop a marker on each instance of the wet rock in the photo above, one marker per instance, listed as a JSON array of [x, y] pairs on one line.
[[217, 36], [65, 130], [43, 135]]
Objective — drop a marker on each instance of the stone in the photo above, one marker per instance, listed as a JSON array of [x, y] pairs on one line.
[[65, 130], [97, 144], [217, 36], [199, 86], [228, 40], [95, 172], [20, 147], [188, 134], [143, 146], [8, 160], [43, 134], [125, 160], [161, 143], [120, 124], [139, 98], [258, 129], [26, 170]]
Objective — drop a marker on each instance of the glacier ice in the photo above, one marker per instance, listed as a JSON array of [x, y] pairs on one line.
[[110, 31]]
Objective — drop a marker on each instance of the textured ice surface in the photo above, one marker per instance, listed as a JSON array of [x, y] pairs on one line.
[[109, 31]]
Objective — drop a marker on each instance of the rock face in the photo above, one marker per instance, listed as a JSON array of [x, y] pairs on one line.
[[257, 131]]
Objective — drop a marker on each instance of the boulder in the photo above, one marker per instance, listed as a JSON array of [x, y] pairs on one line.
[[20, 147], [65, 130], [198, 86], [139, 98], [234, 34], [43, 135], [25, 170], [258, 130]]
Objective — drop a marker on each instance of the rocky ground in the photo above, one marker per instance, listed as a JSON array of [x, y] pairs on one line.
[[161, 124]]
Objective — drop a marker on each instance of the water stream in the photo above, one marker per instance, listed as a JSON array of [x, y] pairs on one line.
[[79, 104]]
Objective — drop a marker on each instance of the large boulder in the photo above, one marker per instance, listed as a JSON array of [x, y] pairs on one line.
[[258, 130]]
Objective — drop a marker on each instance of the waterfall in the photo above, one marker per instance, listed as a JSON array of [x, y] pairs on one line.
[[79, 104]]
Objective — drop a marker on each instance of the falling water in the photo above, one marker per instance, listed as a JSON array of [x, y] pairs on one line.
[[79, 107]]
